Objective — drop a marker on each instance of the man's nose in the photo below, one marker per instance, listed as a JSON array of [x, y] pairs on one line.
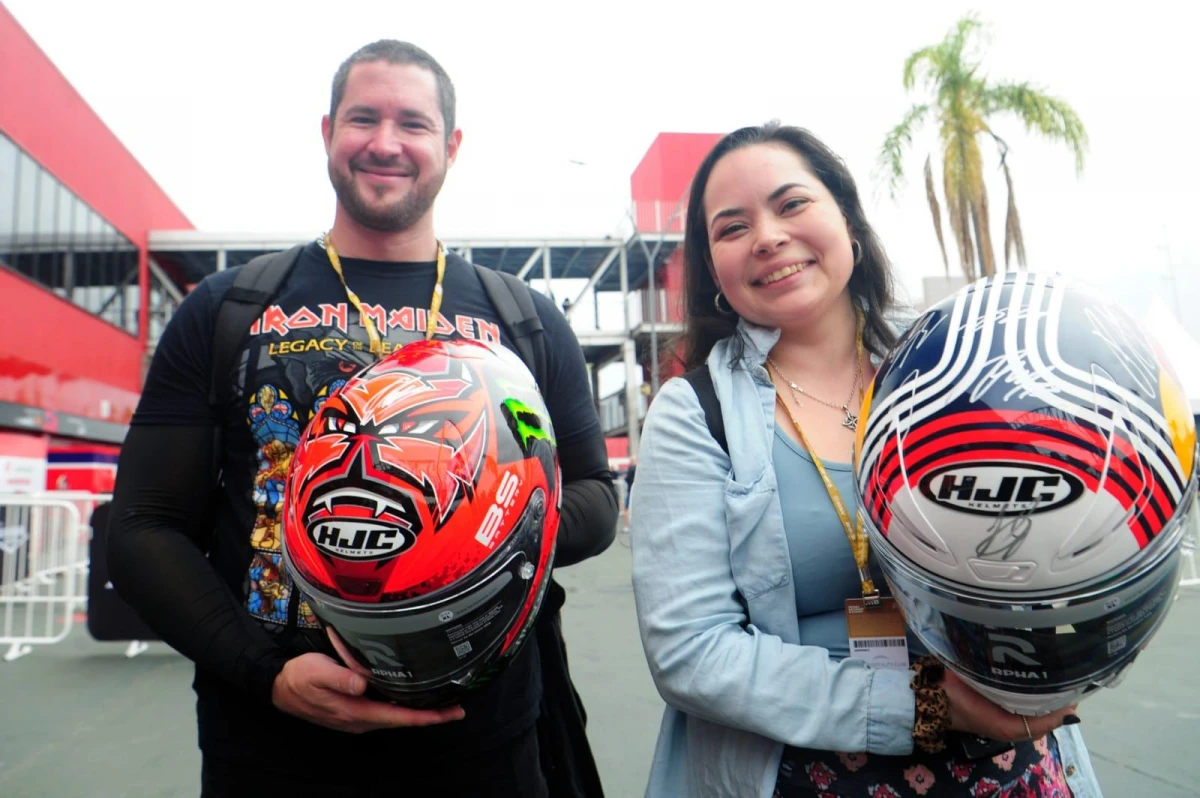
[[386, 143]]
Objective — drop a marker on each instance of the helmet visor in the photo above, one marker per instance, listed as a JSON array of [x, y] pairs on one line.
[[1065, 647]]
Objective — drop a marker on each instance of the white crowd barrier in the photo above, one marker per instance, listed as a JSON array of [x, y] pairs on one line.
[[43, 566]]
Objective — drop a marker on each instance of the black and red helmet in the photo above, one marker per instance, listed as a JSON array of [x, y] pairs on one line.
[[421, 515]]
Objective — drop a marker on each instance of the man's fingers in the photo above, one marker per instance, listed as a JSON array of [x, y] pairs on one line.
[[377, 713], [330, 675], [345, 654], [351, 684], [351, 681], [320, 690]]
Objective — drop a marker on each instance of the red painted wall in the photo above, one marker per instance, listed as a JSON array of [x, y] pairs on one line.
[[670, 277], [618, 447], [53, 354], [46, 117], [658, 185], [645, 186], [56, 356], [671, 280], [664, 175]]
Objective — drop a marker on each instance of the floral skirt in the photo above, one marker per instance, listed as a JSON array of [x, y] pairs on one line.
[[1029, 770]]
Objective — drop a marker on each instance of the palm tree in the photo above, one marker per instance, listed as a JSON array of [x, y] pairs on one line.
[[962, 103]]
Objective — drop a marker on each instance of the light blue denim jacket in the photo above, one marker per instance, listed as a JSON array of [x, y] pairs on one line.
[[717, 609]]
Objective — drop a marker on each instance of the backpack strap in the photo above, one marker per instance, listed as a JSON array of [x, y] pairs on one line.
[[244, 303], [700, 378], [255, 285], [511, 298]]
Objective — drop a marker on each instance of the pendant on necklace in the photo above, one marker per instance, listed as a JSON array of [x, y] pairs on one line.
[[851, 420]]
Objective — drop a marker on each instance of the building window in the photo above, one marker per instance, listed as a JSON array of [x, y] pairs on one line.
[[8, 196], [51, 236]]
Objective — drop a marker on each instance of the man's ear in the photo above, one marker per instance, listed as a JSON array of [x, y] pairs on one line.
[[452, 145], [327, 131]]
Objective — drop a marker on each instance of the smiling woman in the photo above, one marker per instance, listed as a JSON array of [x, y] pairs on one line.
[[779, 255], [779, 238], [794, 182], [756, 590]]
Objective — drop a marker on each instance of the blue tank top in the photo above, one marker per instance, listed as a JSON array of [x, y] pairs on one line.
[[823, 570]]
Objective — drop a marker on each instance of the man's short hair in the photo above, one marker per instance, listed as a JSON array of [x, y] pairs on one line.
[[396, 52]]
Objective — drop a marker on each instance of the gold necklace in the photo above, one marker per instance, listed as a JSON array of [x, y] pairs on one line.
[[851, 420]]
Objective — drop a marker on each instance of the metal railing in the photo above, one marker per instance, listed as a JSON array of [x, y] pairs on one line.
[[613, 418], [43, 566]]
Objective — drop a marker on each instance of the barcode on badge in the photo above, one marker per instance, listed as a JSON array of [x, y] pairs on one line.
[[462, 649], [878, 642]]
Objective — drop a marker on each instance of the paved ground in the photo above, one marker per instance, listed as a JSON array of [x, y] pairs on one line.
[[78, 719]]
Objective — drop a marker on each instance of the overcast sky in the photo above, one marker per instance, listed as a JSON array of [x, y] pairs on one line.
[[221, 102]]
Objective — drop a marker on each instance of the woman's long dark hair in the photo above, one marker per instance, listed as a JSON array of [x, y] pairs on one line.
[[870, 283]]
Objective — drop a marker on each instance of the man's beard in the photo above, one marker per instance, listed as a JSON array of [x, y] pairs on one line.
[[394, 218]]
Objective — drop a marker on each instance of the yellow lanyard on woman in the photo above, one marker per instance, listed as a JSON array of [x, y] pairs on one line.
[[435, 304], [859, 544]]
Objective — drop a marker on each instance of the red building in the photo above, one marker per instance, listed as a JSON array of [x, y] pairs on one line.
[[76, 295], [659, 186]]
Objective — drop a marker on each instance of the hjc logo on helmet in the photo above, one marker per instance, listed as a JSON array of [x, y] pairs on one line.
[[1000, 488], [362, 539]]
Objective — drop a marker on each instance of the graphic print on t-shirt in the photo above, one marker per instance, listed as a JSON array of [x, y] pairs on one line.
[[301, 359], [275, 426], [333, 318]]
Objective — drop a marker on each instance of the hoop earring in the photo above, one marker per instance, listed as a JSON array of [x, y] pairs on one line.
[[856, 250], [721, 310]]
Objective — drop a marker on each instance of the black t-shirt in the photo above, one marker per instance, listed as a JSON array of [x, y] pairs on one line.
[[307, 343]]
